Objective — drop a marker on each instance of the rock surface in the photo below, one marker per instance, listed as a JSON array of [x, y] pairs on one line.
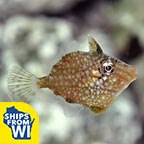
[[12, 7]]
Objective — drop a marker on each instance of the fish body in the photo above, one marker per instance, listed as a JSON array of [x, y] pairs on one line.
[[92, 79]]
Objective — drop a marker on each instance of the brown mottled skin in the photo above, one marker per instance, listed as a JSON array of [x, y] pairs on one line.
[[92, 79]]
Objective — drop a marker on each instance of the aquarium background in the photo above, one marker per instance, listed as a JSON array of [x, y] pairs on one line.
[[33, 32]]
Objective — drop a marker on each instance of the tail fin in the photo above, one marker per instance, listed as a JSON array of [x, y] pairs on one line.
[[21, 84]]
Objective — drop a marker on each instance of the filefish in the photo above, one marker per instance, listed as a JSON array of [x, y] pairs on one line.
[[92, 79]]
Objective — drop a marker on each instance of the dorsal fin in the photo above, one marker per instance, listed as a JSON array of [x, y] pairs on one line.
[[94, 47]]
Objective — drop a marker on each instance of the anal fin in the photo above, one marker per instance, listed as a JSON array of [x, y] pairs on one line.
[[69, 109]]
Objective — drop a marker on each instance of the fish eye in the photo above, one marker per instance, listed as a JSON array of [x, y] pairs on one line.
[[107, 67]]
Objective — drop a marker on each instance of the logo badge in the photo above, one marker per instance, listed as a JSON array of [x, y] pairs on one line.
[[18, 123]]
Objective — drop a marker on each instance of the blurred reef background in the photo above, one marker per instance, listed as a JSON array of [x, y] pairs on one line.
[[31, 31]]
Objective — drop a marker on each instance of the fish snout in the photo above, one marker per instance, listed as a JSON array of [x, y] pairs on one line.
[[127, 72], [131, 73]]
